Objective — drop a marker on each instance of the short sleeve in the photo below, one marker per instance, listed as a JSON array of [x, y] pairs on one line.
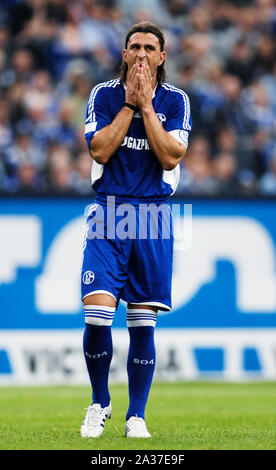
[[97, 113], [179, 122]]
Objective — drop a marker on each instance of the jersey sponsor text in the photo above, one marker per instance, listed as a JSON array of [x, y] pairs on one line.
[[138, 144]]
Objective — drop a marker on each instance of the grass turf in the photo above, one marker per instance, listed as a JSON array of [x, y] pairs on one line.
[[180, 416]]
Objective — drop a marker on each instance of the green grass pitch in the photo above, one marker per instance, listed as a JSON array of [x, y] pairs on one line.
[[180, 416]]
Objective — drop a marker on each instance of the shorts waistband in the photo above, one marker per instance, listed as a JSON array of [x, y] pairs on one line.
[[116, 200]]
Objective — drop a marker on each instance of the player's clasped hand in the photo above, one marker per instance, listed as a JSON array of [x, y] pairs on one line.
[[132, 86], [139, 86], [145, 86]]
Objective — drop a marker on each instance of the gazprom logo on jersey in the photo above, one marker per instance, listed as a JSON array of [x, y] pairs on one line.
[[137, 144], [223, 320]]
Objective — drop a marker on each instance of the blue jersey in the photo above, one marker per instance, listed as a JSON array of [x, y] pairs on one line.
[[133, 170]]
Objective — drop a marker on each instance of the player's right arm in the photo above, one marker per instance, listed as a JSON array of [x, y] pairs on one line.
[[107, 140]]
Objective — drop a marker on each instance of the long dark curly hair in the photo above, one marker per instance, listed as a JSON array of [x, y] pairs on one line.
[[146, 27]]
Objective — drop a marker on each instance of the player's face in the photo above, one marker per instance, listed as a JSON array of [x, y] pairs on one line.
[[142, 49]]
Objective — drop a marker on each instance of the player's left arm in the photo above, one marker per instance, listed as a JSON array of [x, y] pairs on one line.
[[167, 149]]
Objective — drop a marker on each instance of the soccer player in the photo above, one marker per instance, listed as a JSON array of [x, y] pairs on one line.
[[137, 130]]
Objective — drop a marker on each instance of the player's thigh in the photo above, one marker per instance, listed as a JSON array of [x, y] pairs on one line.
[[150, 269], [149, 276], [104, 271], [151, 264]]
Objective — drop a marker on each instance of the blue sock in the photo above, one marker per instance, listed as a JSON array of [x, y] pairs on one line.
[[140, 368], [98, 350]]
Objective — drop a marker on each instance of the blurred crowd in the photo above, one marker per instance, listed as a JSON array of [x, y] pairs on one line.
[[221, 52]]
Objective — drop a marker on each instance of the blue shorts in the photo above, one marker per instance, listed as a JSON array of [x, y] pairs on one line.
[[128, 251]]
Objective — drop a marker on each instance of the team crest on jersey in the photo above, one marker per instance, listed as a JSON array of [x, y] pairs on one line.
[[88, 277], [161, 117], [138, 114]]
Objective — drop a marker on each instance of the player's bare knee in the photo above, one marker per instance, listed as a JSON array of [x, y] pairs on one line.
[[147, 307], [99, 299]]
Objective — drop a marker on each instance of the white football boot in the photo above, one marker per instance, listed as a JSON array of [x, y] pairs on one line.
[[136, 427], [94, 421]]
